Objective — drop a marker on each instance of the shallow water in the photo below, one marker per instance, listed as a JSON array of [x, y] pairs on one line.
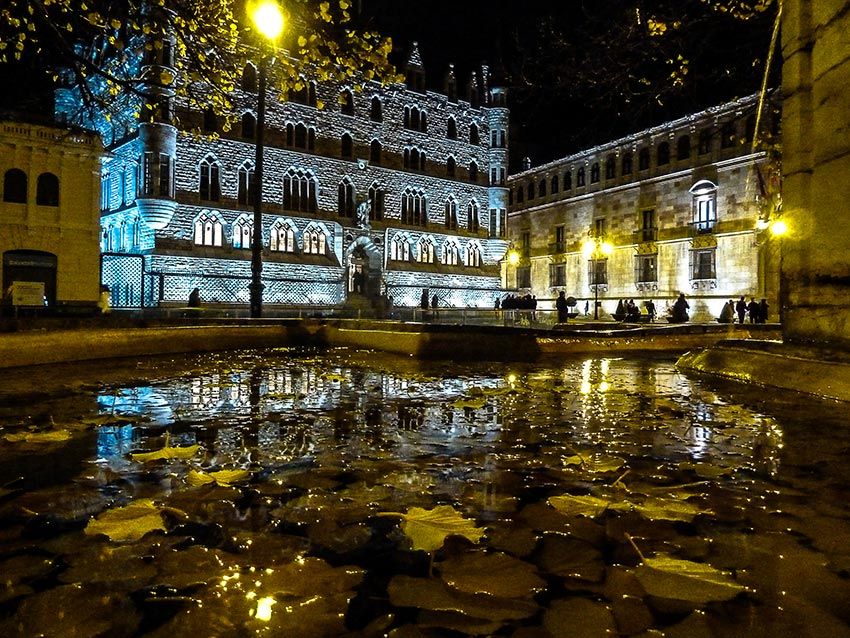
[[747, 487]]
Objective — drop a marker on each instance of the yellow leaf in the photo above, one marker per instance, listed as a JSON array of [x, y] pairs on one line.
[[128, 523], [53, 436], [224, 478], [167, 453], [428, 529]]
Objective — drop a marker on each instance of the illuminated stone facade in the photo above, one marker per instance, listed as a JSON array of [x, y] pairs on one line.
[[385, 191], [679, 204], [49, 213]]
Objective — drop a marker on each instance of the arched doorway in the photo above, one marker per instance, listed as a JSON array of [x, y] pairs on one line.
[[363, 268], [31, 266]]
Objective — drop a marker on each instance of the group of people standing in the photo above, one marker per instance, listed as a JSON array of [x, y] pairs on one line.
[[515, 302], [629, 311], [755, 310]]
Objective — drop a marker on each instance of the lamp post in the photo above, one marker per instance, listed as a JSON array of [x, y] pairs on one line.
[[268, 20], [595, 249]]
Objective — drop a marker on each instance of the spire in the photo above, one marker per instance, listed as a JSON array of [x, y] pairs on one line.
[[450, 84], [415, 70]]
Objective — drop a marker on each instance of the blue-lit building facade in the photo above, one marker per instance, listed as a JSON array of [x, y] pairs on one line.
[[385, 191]]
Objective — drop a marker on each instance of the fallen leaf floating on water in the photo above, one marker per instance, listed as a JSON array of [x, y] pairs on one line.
[[428, 529], [590, 506], [130, 523], [223, 478], [676, 579], [52, 436], [669, 509], [495, 574], [475, 403], [167, 453], [597, 463]]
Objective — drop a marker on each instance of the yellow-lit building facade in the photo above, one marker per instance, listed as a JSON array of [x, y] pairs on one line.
[[674, 209], [50, 212]]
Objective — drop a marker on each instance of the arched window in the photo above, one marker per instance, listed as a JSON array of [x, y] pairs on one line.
[[705, 140], [346, 102], [425, 250], [47, 190], [474, 137], [347, 146], [705, 205], [375, 153], [451, 214], [554, 186], [299, 191], [643, 159], [683, 148], [580, 176], [541, 188], [473, 255], [376, 111], [300, 135], [627, 164], [663, 154], [423, 121], [105, 244], [15, 186], [210, 182], [282, 237], [568, 180], [290, 134], [451, 129], [450, 253], [413, 207], [451, 166], [210, 121], [473, 171], [315, 241], [299, 93], [249, 78], [594, 172], [376, 201], [610, 167], [245, 192], [207, 229], [249, 126], [242, 233], [345, 198], [400, 248], [472, 220]]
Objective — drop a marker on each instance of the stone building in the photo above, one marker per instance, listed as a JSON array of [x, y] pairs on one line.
[[385, 191], [49, 212], [671, 209]]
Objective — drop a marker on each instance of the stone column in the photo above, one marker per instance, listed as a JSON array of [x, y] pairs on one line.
[[816, 171]]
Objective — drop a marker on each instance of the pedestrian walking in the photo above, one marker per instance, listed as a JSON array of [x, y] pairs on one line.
[[741, 309]]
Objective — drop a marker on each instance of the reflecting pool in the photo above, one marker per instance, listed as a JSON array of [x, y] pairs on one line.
[[344, 493]]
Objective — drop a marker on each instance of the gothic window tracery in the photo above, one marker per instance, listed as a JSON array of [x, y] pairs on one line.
[[210, 180], [345, 198], [299, 191], [315, 240], [207, 229], [413, 207], [242, 230], [282, 237]]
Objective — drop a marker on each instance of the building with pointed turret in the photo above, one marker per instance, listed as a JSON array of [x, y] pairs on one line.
[[389, 191]]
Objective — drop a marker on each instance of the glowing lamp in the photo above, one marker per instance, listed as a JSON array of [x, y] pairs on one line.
[[606, 248], [587, 248], [513, 257], [268, 19], [778, 228]]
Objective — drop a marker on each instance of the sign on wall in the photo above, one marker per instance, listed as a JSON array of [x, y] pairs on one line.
[[27, 293]]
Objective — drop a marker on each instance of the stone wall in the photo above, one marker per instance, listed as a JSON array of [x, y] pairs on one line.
[[816, 170]]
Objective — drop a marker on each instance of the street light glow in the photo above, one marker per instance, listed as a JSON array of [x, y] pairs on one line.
[[587, 248], [606, 248], [268, 19], [778, 228], [513, 257]]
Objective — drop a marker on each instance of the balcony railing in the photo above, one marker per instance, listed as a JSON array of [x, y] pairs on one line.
[[703, 227], [647, 234]]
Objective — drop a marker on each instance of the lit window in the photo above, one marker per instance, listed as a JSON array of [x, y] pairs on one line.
[[703, 264], [646, 268], [557, 275], [208, 230], [450, 253], [473, 255], [242, 233], [399, 249], [315, 241], [413, 207], [705, 205], [282, 237], [425, 250]]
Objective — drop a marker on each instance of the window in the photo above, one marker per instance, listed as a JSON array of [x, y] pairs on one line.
[[627, 164], [400, 248], [300, 136], [415, 119], [375, 153], [557, 275], [646, 269], [451, 129], [663, 154], [497, 175], [249, 78], [649, 232], [497, 138], [414, 159], [242, 233], [523, 277], [643, 159], [705, 139], [105, 191], [146, 168], [530, 190], [703, 264], [345, 198], [165, 177], [503, 222], [473, 255], [315, 241], [304, 94], [450, 166], [599, 227], [541, 188], [472, 221], [525, 243], [210, 186], [245, 188], [492, 220], [346, 102], [413, 207], [580, 177], [210, 121], [560, 239], [705, 205], [451, 214], [474, 137], [47, 190], [299, 191], [376, 202], [554, 186], [450, 253], [249, 126], [208, 230], [610, 167], [597, 272], [425, 250], [282, 237], [594, 173], [519, 195], [376, 111], [683, 148], [568, 181], [346, 146], [728, 135], [473, 171]]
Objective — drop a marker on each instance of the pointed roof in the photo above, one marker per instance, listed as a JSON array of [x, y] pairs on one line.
[[414, 60]]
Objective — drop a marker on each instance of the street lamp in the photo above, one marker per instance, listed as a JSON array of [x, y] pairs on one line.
[[268, 20], [596, 249]]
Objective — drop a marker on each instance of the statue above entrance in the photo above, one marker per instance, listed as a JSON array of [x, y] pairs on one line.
[[363, 209]]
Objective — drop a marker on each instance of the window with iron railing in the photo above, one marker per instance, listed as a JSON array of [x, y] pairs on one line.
[[646, 268], [523, 277], [597, 272], [703, 263], [557, 275]]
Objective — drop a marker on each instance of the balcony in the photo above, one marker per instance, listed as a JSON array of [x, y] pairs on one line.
[[644, 235], [703, 227]]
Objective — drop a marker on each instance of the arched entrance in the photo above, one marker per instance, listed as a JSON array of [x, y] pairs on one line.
[[31, 266], [363, 268]]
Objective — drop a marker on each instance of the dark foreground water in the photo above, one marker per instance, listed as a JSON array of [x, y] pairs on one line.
[[584, 497]]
